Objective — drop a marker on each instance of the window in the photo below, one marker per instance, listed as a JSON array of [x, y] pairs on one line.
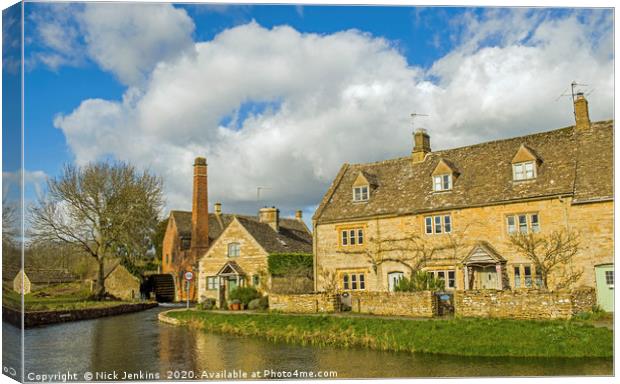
[[539, 281], [534, 223], [233, 249], [437, 224], [354, 281], [609, 278], [442, 182], [451, 279], [523, 223], [185, 243], [523, 171], [352, 236], [212, 282], [255, 280], [360, 193], [527, 271], [517, 276], [449, 282]]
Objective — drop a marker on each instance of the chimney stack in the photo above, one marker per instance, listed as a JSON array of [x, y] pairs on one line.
[[200, 209], [270, 216], [218, 208], [298, 214], [582, 117], [421, 145]]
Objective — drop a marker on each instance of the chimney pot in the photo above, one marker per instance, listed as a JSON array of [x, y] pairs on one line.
[[218, 208], [421, 145], [298, 214]]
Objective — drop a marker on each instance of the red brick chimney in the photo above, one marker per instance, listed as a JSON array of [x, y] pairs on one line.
[[200, 210]]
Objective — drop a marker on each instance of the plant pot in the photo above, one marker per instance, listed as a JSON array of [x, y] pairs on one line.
[[235, 306]]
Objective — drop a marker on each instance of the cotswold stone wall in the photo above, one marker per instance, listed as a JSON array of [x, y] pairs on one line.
[[518, 304], [304, 303], [583, 299], [413, 304]]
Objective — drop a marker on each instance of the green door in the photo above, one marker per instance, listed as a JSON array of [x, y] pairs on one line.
[[605, 286]]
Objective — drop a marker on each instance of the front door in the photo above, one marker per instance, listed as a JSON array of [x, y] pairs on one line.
[[605, 286], [394, 279], [488, 278], [232, 284]]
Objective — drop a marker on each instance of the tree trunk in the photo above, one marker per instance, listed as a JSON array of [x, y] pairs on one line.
[[100, 289]]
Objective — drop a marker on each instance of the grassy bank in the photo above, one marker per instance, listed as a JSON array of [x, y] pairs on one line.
[[467, 337], [56, 298]]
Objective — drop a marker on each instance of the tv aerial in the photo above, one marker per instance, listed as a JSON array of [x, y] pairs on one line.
[[413, 117]]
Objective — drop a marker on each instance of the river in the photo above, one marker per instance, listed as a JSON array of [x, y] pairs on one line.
[[137, 343]]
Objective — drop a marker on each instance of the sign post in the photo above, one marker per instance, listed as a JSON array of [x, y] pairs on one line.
[[189, 275]]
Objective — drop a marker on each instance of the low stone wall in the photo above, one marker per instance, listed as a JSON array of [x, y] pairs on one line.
[[530, 304], [583, 299], [412, 304], [304, 303], [33, 319]]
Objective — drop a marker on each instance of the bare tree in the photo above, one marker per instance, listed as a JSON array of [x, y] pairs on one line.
[[105, 209], [329, 278], [550, 252], [9, 218]]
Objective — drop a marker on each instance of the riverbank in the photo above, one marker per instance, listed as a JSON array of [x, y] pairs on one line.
[[37, 318], [464, 337]]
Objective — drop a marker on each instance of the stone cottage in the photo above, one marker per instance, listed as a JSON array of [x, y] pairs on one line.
[[452, 212], [239, 255], [190, 237]]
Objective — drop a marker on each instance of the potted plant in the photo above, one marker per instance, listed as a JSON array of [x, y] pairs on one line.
[[235, 305]]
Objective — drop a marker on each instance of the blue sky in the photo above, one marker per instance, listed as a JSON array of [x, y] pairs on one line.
[[282, 96]]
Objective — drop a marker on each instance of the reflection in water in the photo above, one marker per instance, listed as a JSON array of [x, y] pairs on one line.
[[135, 342]]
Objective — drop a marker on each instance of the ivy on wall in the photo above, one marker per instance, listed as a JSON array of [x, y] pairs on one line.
[[290, 264]]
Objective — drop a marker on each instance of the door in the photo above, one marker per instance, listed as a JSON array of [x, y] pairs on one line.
[[488, 278], [605, 286], [393, 279], [232, 284]]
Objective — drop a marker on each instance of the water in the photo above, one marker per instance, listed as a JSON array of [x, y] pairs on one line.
[[138, 343]]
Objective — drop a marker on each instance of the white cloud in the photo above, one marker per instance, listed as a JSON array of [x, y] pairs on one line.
[[343, 97], [128, 40]]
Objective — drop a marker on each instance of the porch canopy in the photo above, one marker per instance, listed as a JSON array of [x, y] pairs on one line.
[[483, 258]]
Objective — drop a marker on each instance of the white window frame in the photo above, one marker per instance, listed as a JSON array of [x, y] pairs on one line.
[[351, 237], [357, 278], [532, 223], [438, 221], [234, 249], [361, 193], [212, 283], [525, 170], [442, 182]]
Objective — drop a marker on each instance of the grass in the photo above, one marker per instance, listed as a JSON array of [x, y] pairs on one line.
[[465, 337], [56, 297]]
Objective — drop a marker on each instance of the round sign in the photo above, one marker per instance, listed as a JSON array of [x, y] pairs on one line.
[[189, 275]]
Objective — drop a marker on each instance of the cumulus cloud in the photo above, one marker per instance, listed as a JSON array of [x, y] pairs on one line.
[[128, 40], [282, 109]]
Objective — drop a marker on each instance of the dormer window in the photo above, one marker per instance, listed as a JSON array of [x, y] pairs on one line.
[[360, 193], [524, 171], [442, 182], [525, 163]]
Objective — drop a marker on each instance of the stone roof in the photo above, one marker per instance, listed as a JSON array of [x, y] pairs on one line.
[[578, 164], [292, 237], [42, 276]]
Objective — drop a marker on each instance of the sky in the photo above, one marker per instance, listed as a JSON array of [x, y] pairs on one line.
[[281, 96]]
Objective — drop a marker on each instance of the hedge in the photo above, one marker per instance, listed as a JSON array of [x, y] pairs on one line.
[[286, 264]]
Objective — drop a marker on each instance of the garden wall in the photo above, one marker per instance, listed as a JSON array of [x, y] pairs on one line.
[[412, 304], [304, 303], [531, 304]]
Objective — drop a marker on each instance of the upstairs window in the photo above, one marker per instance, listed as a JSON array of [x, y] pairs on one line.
[[360, 193], [353, 236], [442, 183], [234, 249], [523, 223], [438, 224], [524, 171]]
